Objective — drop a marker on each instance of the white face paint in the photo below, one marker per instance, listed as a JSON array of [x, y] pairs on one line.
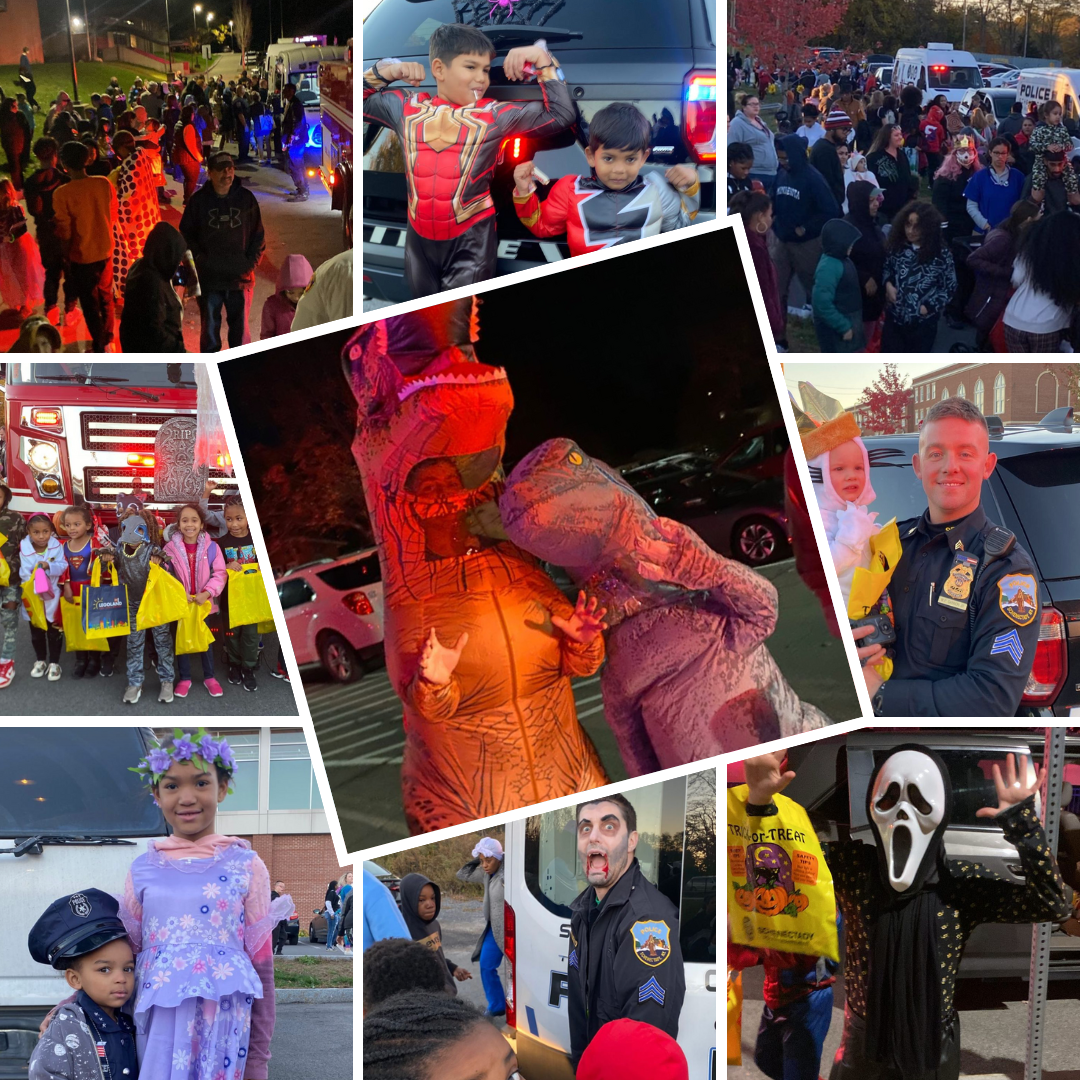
[[907, 805]]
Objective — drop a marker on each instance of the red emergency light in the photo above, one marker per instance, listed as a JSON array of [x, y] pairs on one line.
[[141, 459], [46, 417], [939, 67], [699, 115]]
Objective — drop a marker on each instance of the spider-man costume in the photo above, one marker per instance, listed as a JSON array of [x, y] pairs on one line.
[[594, 216], [450, 153]]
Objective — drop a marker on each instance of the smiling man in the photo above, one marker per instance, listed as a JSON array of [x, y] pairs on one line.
[[964, 593], [625, 961]]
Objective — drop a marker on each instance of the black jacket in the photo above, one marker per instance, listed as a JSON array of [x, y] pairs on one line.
[[225, 236], [824, 158], [628, 964], [948, 197], [153, 318], [868, 254]]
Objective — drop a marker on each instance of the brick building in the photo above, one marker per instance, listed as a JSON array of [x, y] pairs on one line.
[[1017, 393], [276, 806], [19, 27]]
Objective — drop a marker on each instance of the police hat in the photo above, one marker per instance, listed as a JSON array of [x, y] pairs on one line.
[[74, 926]]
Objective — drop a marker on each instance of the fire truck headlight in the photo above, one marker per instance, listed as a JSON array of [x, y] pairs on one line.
[[43, 456], [50, 485]]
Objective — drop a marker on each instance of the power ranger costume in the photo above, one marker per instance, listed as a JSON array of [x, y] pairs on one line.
[[688, 675], [450, 154], [594, 216], [909, 909], [502, 733]]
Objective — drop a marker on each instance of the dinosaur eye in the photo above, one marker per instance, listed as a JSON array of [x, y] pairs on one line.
[[574, 458]]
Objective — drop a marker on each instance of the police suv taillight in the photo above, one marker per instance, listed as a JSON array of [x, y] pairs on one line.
[[510, 952], [699, 115], [1051, 660]]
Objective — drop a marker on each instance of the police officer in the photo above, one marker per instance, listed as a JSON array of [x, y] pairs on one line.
[[79, 935], [625, 960], [964, 593]]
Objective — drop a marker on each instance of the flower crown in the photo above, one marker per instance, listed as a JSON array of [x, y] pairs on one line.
[[199, 748]]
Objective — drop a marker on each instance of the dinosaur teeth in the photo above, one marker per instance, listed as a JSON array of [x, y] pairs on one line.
[[451, 379]]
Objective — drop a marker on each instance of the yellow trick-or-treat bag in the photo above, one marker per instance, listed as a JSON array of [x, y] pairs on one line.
[[34, 605], [164, 601], [5, 569], [868, 594], [75, 639], [780, 890], [734, 1017], [248, 602], [192, 633]]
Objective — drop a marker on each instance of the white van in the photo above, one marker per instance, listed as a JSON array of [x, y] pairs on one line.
[[937, 69], [71, 817], [1053, 84], [300, 61], [677, 852]]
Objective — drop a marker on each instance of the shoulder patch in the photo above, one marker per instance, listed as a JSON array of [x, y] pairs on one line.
[[651, 991], [1018, 598], [652, 942]]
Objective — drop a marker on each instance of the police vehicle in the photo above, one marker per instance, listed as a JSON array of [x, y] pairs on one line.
[[71, 817], [1038, 85], [677, 853], [1035, 492]]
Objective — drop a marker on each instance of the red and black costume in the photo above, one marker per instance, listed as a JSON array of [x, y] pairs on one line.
[[450, 153]]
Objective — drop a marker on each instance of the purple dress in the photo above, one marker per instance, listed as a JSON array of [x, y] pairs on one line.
[[195, 982]]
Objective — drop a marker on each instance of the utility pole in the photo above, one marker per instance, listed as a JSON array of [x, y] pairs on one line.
[[71, 44]]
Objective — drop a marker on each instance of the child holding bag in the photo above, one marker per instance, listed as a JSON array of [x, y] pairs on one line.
[[79, 551], [197, 562], [242, 643], [41, 550], [12, 532]]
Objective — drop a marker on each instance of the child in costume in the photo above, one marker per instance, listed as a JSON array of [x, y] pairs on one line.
[[79, 551], [241, 642], [451, 142], [197, 907], [41, 550], [89, 1035], [12, 531], [197, 562], [614, 204]]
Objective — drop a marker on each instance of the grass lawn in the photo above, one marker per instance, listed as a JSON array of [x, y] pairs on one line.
[[307, 972], [93, 79], [801, 335]]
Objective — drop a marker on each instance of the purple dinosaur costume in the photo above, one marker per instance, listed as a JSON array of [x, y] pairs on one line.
[[688, 675]]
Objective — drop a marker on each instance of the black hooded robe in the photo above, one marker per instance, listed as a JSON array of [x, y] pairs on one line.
[[153, 316]]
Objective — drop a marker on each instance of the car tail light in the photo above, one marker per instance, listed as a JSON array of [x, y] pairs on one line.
[[47, 418], [1051, 660], [513, 149], [510, 952], [358, 603], [699, 115]]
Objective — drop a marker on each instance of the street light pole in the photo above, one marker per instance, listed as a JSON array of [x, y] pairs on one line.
[[71, 44], [168, 41], [89, 49]]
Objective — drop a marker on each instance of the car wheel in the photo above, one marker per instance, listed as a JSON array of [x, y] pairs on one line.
[[339, 659], [312, 939], [757, 540]]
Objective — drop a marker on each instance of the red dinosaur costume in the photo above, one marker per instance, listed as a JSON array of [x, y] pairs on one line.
[[502, 732]]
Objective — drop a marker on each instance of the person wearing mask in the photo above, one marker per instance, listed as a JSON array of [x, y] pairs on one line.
[[487, 869], [748, 127]]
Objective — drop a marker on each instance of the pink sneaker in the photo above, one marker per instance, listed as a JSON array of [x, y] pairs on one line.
[[182, 687], [7, 672], [213, 687]]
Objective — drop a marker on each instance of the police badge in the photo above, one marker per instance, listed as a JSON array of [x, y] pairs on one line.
[[957, 588], [80, 905]]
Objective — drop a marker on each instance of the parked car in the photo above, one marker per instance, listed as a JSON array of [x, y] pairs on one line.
[[391, 881], [996, 101], [292, 931], [333, 611], [875, 60], [760, 452], [317, 927], [662, 57], [1035, 492], [883, 75]]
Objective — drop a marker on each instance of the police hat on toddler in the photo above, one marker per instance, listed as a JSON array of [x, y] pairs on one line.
[[74, 926]]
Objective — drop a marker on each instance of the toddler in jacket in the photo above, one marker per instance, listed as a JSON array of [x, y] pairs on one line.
[[41, 550], [279, 309]]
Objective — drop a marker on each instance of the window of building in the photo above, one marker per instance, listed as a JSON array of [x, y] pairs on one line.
[[292, 780], [979, 395], [245, 784], [944, 392], [961, 391], [999, 394], [933, 391]]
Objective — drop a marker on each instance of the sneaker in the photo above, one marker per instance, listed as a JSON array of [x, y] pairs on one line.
[[249, 679], [301, 197], [93, 667], [80, 669], [166, 693], [280, 673], [213, 687], [235, 676], [7, 672], [39, 669], [132, 695], [182, 688], [54, 672], [106, 665]]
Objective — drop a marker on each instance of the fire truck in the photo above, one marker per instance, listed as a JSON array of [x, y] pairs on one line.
[[336, 106], [84, 433]]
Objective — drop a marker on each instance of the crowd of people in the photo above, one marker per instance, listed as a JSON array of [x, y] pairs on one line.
[[896, 211], [96, 198]]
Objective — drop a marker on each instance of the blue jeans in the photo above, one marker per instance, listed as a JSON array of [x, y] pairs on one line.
[[331, 923], [295, 163], [790, 1040], [490, 959], [237, 305], [183, 664]]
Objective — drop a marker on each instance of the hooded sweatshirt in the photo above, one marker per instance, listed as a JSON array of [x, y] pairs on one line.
[[427, 933], [803, 198], [153, 316], [837, 298], [225, 234], [868, 254], [278, 311], [932, 130]]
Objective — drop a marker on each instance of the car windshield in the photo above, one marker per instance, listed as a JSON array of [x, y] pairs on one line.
[[74, 782], [126, 375], [943, 77]]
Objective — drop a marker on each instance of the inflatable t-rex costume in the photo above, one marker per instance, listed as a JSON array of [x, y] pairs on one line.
[[688, 674], [502, 732]]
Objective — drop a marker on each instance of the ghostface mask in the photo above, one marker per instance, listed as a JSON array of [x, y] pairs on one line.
[[908, 806]]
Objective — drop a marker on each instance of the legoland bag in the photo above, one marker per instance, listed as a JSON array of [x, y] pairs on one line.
[[105, 610], [192, 633], [164, 601], [75, 638], [780, 890], [35, 606], [248, 602]]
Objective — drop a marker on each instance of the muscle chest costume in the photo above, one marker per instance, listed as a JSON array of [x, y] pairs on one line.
[[503, 732], [688, 675]]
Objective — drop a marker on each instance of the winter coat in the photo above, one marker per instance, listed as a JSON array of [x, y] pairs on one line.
[[868, 254], [210, 573], [992, 264], [837, 298], [278, 312], [932, 131], [225, 235], [760, 141], [803, 198], [766, 275], [493, 902], [930, 285], [948, 197], [428, 933], [13, 529], [894, 178], [55, 564], [153, 315], [66, 1051]]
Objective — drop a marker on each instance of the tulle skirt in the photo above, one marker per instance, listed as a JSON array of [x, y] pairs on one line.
[[22, 277], [199, 1039]]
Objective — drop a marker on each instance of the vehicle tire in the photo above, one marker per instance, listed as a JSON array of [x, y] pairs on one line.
[[292, 936], [757, 540], [312, 939], [339, 659]]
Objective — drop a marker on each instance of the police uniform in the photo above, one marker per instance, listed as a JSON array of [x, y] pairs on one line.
[[625, 961], [966, 632], [82, 1042]]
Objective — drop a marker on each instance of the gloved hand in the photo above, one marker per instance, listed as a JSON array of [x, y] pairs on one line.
[[854, 526]]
